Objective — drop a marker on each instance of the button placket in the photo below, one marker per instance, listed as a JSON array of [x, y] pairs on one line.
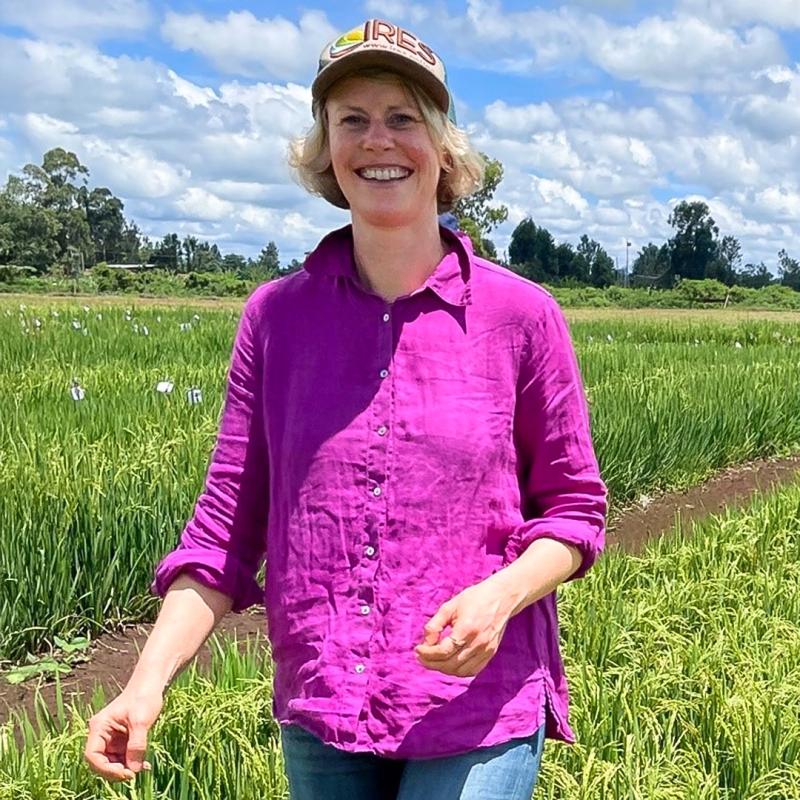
[[376, 473]]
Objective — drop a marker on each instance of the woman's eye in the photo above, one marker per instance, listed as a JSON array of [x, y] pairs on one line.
[[353, 120], [401, 120]]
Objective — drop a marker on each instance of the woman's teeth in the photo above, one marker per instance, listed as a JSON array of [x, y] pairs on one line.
[[384, 174]]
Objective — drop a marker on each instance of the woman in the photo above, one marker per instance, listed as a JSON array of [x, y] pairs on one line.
[[406, 439]]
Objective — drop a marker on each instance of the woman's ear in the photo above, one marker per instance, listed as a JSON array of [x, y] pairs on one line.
[[446, 161]]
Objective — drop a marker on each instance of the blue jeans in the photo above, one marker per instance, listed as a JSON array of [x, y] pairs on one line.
[[319, 771]]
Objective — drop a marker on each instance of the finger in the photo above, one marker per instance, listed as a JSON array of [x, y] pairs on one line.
[[437, 623], [101, 765], [444, 650], [137, 745], [462, 664], [473, 664]]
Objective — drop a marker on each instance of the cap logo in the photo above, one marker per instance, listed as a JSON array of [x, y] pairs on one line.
[[378, 34], [347, 41]]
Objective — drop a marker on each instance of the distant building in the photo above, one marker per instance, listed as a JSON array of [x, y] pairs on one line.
[[131, 266]]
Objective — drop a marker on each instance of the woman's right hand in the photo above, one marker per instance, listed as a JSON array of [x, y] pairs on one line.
[[117, 739]]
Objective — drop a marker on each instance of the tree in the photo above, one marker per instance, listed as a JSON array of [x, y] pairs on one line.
[[28, 232], [754, 276], [652, 266], [568, 265], [728, 259], [52, 186], [694, 245], [789, 270], [189, 250], [532, 252], [597, 261], [476, 216], [106, 222], [167, 254], [233, 262], [269, 259]]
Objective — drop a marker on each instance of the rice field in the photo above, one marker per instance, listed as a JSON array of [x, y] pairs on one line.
[[684, 662], [684, 668]]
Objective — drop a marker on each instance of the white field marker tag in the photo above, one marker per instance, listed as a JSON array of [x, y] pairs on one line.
[[185, 326], [77, 392], [165, 387], [194, 396]]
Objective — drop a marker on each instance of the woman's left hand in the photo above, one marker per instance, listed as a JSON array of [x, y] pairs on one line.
[[478, 616]]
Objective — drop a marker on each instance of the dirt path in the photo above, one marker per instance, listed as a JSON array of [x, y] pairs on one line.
[[113, 656]]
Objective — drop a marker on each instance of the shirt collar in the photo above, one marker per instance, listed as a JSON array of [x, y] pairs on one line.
[[450, 280]]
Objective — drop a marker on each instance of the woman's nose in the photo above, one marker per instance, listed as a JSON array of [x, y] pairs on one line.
[[377, 136]]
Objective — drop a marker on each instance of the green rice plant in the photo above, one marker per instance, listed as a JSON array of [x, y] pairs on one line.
[[94, 491], [683, 663], [215, 738]]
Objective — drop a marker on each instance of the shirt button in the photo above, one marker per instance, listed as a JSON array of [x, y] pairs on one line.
[[384, 373], [360, 667], [382, 430], [385, 317], [370, 550], [377, 491], [365, 610]]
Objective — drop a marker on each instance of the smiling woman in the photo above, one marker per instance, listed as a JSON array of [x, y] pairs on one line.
[[406, 441], [462, 166]]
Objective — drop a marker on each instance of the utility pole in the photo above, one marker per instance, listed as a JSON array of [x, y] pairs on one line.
[[627, 251]]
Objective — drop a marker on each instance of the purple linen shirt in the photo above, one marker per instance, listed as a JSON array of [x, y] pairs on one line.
[[383, 457]]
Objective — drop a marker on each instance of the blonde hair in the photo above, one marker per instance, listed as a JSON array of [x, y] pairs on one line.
[[463, 169]]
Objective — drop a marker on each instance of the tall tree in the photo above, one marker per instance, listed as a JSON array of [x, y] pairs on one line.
[[475, 214], [168, 253], [568, 264], [28, 232], [532, 252], [652, 266], [694, 245], [727, 262], [267, 265], [598, 262], [106, 222], [789, 270]]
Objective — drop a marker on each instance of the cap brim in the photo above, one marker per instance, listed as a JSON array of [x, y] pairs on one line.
[[381, 58]]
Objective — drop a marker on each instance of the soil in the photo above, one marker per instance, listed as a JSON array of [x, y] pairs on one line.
[[113, 655]]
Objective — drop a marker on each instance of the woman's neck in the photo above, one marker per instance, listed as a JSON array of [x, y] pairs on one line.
[[393, 262]]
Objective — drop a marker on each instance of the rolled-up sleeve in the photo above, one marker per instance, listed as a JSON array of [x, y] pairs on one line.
[[563, 496], [222, 545]]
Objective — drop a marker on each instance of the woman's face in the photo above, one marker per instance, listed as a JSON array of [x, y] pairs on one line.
[[381, 153]]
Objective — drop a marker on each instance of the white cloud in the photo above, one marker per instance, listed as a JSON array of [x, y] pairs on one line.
[[197, 203], [240, 43], [780, 13], [72, 19], [682, 54], [520, 120]]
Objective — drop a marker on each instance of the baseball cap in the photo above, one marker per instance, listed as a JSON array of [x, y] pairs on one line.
[[377, 43]]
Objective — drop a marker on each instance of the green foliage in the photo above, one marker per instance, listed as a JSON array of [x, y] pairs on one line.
[[532, 251], [475, 214], [789, 270], [221, 284], [693, 247]]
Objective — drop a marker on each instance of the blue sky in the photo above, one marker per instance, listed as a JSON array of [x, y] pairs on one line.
[[604, 113]]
